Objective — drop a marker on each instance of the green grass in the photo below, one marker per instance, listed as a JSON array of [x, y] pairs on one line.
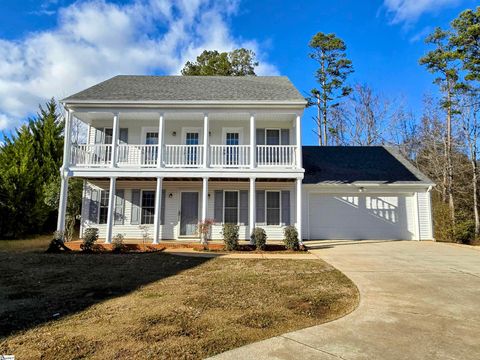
[[156, 305]]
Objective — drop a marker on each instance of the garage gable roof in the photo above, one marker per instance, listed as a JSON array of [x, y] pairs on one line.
[[359, 164]]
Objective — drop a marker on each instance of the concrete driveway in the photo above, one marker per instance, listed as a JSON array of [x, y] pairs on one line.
[[419, 300]]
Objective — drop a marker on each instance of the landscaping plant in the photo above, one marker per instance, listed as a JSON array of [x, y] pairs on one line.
[[259, 238], [230, 236], [117, 243], [90, 235], [203, 229], [290, 238]]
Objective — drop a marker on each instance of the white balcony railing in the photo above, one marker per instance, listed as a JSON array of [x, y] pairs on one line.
[[137, 155], [183, 155], [229, 155], [91, 155], [276, 155], [100, 155]]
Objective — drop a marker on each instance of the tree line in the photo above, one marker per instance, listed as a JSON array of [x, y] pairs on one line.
[[441, 140]]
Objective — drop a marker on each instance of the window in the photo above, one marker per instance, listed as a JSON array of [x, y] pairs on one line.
[[272, 137], [103, 211], [151, 138], [273, 207], [230, 215], [150, 153], [108, 136], [148, 207], [191, 138]]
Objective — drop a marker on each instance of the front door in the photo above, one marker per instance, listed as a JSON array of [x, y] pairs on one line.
[[150, 152], [189, 214], [191, 155]]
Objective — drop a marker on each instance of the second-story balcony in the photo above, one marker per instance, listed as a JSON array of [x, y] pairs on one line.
[[183, 156]]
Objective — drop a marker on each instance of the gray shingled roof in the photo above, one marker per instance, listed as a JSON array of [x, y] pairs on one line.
[[191, 88], [350, 164]]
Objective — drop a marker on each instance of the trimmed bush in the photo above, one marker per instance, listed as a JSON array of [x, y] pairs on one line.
[[90, 235], [230, 236], [117, 243], [290, 238], [259, 238]]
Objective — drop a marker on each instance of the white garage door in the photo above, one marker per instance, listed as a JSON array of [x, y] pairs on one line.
[[361, 216]]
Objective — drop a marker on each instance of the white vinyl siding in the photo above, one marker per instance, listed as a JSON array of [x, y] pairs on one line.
[[425, 216]]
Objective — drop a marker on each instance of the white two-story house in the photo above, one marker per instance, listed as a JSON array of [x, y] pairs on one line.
[[167, 152]]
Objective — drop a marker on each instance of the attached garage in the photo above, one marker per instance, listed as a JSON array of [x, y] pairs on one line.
[[359, 216], [357, 193]]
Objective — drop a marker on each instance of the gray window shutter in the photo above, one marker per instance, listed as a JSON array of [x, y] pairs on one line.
[[286, 207], [285, 137], [162, 216], [119, 207], [136, 209], [218, 210], [98, 136], [123, 136], [260, 201], [244, 207], [260, 135], [93, 206]]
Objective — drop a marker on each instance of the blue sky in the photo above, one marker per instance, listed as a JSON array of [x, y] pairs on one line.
[[57, 47]]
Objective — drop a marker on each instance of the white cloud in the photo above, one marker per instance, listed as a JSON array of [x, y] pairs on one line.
[[409, 11], [94, 40]]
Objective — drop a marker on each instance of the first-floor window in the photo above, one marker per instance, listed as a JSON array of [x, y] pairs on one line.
[[103, 211], [273, 207], [148, 207], [230, 215]]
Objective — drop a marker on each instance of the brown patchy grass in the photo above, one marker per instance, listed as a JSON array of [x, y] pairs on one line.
[[156, 305]]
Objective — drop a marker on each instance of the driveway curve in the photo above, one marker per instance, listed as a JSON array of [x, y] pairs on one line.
[[419, 300]]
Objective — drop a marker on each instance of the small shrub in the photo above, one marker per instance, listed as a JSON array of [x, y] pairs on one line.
[[464, 231], [290, 238], [117, 243], [204, 229], [90, 235], [259, 238], [57, 244], [230, 236]]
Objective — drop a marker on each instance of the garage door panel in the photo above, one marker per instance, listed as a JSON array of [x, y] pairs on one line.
[[360, 217]]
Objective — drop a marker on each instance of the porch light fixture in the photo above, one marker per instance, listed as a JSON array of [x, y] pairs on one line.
[[174, 133], [361, 189], [170, 195]]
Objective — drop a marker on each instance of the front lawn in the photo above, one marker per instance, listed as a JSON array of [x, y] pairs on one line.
[[155, 305]]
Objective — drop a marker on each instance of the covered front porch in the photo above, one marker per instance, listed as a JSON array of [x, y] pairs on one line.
[[155, 210]]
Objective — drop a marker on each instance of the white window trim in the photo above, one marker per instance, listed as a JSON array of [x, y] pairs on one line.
[[189, 129], [238, 130], [238, 206], [280, 209], [145, 130], [141, 205], [100, 205]]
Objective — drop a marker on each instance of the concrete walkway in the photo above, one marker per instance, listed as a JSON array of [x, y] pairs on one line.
[[419, 300]]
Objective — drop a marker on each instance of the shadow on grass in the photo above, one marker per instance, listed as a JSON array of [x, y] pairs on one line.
[[37, 287]]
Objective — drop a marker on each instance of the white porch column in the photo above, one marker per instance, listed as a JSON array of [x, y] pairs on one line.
[[298, 141], [253, 140], [161, 130], [111, 210], [158, 210], [299, 209], [204, 198], [252, 206], [67, 139], [205, 141], [62, 205], [115, 131]]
